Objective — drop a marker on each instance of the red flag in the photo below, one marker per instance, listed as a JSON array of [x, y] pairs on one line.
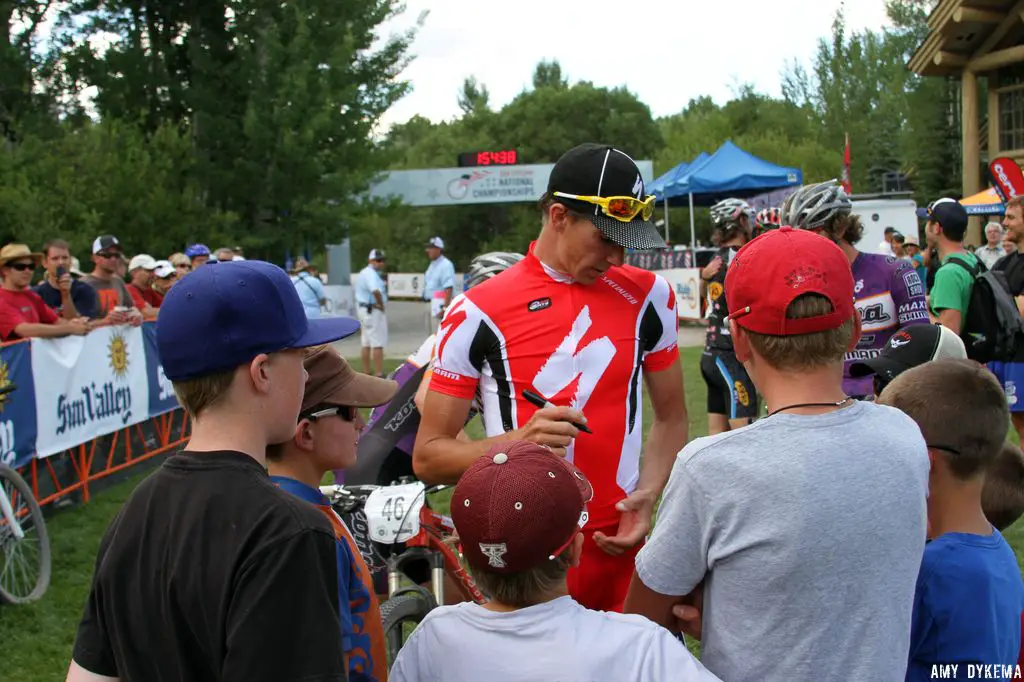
[[846, 167]]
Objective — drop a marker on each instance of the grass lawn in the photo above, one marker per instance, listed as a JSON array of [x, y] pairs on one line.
[[37, 639]]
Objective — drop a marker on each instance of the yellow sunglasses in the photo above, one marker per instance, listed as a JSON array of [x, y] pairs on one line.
[[624, 209]]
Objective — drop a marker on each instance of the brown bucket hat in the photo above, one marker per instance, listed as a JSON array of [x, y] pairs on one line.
[[17, 252], [332, 381]]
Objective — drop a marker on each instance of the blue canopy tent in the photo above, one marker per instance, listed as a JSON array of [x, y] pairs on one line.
[[729, 172], [672, 176]]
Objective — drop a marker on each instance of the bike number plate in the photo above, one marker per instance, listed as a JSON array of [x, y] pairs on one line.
[[393, 512]]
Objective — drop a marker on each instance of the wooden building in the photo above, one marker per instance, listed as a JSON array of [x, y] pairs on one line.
[[980, 43]]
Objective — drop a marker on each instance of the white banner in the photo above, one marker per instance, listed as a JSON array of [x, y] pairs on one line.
[[410, 285], [90, 385], [686, 283], [341, 301], [481, 185]]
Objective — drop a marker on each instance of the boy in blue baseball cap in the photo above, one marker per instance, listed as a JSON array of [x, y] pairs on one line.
[[210, 571]]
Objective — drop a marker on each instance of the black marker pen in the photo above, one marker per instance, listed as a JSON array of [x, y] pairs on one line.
[[540, 402]]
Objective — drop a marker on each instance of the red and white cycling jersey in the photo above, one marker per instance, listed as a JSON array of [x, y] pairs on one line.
[[582, 346]]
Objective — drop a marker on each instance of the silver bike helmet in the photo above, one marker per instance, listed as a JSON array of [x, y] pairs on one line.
[[487, 265], [811, 207], [729, 210]]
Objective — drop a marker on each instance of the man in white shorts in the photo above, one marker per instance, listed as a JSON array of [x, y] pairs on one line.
[[371, 297]]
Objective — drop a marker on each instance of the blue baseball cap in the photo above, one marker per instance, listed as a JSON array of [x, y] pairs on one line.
[[222, 316], [197, 250]]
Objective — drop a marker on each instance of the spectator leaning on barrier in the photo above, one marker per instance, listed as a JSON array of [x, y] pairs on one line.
[[181, 263], [164, 277], [371, 298], [116, 303], [23, 313], [812, 576], [69, 297], [210, 571], [146, 299], [438, 282], [309, 287]]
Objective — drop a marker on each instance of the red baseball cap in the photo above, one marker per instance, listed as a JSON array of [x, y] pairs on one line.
[[518, 506], [772, 270]]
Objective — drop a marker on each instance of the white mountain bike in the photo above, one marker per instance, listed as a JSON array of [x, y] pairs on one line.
[[25, 561]]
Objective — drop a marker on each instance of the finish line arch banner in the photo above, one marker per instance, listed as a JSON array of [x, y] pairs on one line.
[[480, 185]]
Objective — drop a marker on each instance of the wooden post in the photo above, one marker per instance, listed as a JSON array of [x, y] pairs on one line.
[[971, 148]]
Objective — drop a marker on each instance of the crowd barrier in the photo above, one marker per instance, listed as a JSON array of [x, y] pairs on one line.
[[85, 407]]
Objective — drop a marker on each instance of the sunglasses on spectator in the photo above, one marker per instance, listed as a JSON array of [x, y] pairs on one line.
[[22, 267], [346, 412], [107, 254]]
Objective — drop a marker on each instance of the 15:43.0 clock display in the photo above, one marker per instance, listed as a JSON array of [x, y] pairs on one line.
[[500, 157]]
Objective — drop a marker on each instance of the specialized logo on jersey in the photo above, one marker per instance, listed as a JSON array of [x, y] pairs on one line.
[[456, 316], [539, 304], [877, 312], [741, 394], [715, 291], [495, 553], [567, 364]]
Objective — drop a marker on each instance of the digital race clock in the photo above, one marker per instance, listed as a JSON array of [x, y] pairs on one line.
[[502, 157]]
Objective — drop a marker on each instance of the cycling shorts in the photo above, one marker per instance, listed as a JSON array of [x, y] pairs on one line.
[[730, 390], [601, 580]]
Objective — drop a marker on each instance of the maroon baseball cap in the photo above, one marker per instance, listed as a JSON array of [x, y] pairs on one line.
[[771, 271], [518, 506]]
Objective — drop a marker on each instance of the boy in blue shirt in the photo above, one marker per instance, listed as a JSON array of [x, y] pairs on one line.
[[970, 597]]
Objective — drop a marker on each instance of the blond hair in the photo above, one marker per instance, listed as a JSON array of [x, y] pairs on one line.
[[202, 393], [804, 351], [525, 588]]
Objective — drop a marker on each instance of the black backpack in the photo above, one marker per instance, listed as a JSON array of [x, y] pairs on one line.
[[992, 327]]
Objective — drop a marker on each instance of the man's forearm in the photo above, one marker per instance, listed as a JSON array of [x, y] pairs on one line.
[[447, 296], [68, 310], [36, 330], [443, 460], [378, 299]]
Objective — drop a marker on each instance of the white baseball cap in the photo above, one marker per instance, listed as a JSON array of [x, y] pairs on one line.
[[436, 242], [163, 269], [144, 261]]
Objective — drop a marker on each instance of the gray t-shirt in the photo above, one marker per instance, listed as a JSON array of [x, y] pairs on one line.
[[558, 641], [808, 531]]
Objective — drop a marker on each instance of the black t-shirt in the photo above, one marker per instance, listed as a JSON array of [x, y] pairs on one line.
[[87, 303], [211, 573], [718, 336]]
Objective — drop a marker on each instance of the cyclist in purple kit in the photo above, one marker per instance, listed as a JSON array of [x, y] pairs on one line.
[[888, 291]]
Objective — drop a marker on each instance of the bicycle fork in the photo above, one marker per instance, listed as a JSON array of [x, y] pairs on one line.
[[8, 514], [434, 558]]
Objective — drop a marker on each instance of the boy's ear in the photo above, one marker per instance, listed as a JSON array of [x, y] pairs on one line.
[[304, 435], [258, 373], [857, 330], [740, 341], [576, 550]]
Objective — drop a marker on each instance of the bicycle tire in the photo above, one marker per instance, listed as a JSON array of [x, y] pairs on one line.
[[410, 607], [35, 516]]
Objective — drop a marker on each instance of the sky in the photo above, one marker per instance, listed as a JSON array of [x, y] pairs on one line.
[[664, 51]]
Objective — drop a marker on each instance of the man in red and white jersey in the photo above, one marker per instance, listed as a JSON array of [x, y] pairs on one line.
[[573, 324]]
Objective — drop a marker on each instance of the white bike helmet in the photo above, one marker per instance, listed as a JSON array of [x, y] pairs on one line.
[[729, 211], [487, 265], [811, 207]]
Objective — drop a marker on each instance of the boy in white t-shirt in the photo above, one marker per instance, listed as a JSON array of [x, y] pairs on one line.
[[518, 512]]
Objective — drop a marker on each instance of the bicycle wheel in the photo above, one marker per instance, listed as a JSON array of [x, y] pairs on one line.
[[400, 615], [24, 563]]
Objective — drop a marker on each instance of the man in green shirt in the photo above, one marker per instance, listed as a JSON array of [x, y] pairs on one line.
[[949, 296]]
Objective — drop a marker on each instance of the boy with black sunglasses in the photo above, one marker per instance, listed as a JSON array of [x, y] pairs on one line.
[[325, 439], [969, 597]]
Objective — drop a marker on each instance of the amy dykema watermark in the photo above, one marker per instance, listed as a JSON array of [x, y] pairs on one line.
[[975, 671]]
